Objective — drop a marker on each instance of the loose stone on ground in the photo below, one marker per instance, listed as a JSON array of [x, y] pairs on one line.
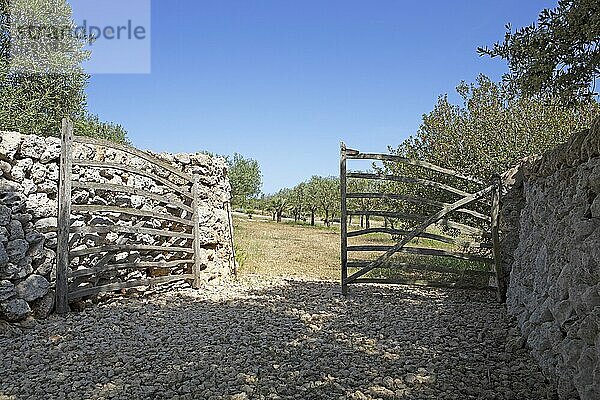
[[276, 339]]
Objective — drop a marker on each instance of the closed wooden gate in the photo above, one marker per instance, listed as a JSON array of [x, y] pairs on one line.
[[419, 223], [126, 219]]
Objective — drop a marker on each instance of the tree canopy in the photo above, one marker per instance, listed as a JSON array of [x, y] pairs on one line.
[[493, 128], [560, 55], [41, 75], [245, 179]]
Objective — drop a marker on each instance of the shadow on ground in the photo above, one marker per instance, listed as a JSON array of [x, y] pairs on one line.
[[288, 340]]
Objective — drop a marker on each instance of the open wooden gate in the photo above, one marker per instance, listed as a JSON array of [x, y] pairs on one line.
[[405, 203], [105, 241]]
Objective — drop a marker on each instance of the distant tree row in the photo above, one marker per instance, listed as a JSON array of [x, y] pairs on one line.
[[317, 197]]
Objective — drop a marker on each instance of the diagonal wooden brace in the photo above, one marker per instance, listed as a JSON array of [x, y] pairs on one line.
[[419, 230]]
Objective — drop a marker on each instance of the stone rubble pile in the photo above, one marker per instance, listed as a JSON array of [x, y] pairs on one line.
[[29, 172]]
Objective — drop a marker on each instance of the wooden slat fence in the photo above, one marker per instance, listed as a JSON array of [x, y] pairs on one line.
[[105, 243], [418, 202]]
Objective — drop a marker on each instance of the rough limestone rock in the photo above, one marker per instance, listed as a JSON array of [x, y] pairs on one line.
[[33, 147], [9, 144], [43, 307], [3, 255], [551, 246], [33, 288], [7, 290], [4, 214], [17, 250], [15, 310]]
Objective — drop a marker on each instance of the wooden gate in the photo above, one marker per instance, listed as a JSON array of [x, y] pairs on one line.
[[107, 243], [422, 224]]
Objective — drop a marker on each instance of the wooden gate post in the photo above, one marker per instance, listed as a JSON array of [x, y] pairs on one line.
[[64, 218], [197, 268], [343, 221], [496, 238]]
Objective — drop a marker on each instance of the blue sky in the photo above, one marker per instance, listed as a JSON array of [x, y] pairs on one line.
[[285, 81]]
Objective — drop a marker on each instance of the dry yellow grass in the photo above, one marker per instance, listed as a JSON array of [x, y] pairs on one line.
[[284, 249], [269, 248]]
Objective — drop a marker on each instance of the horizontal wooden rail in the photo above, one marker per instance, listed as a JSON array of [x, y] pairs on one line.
[[424, 235], [422, 267], [356, 155], [129, 247], [122, 167], [88, 208], [415, 200], [466, 229], [422, 282], [132, 191], [130, 229], [392, 196], [133, 151], [387, 214], [422, 252], [408, 180], [128, 284], [116, 267]]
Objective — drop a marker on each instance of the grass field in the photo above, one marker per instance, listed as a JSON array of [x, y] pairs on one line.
[[265, 247], [286, 249]]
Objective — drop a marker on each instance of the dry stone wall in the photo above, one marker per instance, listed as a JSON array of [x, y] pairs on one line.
[[29, 172], [551, 247]]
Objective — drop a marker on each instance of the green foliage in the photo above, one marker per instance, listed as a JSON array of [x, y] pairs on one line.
[[328, 193], [41, 76], [241, 255], [245, 179], [493, 129], [560, 55], [41, 80], [91, 125]]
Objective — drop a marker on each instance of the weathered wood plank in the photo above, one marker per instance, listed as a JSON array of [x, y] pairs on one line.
[[420, 282], [415, 200], [117, 267], [466, 229], [393, 196], [89, 208], [423, 267], [422, 252], [496, 240], [122, 167], [130, 229], [343, 219], [388, 214], [403, 160], [126, 285], [408, 180], [133, 151], [64, 218], [424, 235], [420, 229], [197, 267], [129, 247], [131, 190]]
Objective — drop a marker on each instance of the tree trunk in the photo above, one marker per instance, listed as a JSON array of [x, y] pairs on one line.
[[312, 218], [362, 221], [279, 216], [327, 218], [367, 222], [274, 215]]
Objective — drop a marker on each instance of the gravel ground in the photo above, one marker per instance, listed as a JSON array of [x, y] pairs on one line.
[[275, 339]]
